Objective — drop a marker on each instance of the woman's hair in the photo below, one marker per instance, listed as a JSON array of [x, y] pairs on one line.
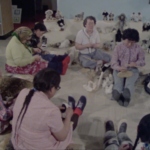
[[131, 34], [40, 26], [143, 132], [90, 18], [22, 33], [43, 81]]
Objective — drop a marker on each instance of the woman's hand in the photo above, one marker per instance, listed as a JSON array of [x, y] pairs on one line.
[[69, 112], [125, 147], [36, 50], [37, 57], [122, 69], [132, 64]]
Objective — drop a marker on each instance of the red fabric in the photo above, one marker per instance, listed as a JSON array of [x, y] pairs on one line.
[[66, 60], [78, 111], [29, 69]]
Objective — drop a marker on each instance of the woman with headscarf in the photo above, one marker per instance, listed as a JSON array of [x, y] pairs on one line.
[[19, 57]]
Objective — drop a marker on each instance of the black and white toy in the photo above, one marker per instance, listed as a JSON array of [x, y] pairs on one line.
[[139, 17], [79, 17], [111, 16], [133, 17], [105, 14], [118, 36], [61, 24]]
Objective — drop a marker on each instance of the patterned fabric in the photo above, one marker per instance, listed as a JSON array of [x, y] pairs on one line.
[[143, 146], [123, 56], [29, 69], [22, 33], [5, 115]]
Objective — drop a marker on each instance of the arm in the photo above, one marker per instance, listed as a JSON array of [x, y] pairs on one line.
[[141, 58], [115, 60], [58, 128], [82, 47]]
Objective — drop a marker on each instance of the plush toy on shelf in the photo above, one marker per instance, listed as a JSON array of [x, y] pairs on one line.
[[79, 17], [133, 17], [48, 15], [58, 15], [105, 14], [111, 16], [139, 17], [121, 22]]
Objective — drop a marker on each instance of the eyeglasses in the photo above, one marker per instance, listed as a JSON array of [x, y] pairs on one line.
[[58, 88]]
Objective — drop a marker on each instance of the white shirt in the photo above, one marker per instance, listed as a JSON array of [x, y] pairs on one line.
[[83, 38]]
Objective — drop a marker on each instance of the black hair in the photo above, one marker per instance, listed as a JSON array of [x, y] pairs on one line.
[[40, 26], [143, 131], [43, 81], [90, 18], [131, 34]]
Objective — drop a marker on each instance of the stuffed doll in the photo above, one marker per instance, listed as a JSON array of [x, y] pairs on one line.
[[139, 17], [111, 16], [133, 17], [118, 36], [79, 17], [121, 22], [105, 14], [58, 15], [48, 14], [145, 26]]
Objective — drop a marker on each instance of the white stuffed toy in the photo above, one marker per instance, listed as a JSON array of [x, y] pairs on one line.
[[48, 14], [79, 17], [65, 44], [58, 15], [103, 26]]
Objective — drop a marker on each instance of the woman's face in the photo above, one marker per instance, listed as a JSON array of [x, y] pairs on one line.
[[129, 43], [26, 40], [39, 33], [89, 25]]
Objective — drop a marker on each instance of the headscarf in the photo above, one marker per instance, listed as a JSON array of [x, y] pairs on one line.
[[22, 33]]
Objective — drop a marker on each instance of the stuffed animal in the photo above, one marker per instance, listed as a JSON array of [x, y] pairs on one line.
[[58, 15], [65, 44], [111, 16], [48, 14], [146, 26], [118, 36], [109, 45], [144, 44], [79, 17], [61, 24], [103, 26], [133, 17], [105, 14], [139, 17], [121, 22]]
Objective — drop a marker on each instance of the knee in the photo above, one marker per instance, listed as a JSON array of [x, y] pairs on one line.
[[85, 64]]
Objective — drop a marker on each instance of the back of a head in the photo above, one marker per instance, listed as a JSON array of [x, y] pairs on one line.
[[90, 18], [131, 35], [143, 132], [40, 26], [45, 79]]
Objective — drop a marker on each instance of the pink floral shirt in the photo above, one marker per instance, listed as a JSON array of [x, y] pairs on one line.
[[123, 55]]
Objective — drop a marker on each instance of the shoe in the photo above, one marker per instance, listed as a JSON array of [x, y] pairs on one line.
[[116, 95], [126, 95], [65, 105], [121, 100], [109, 126], [122, 126], [71, 102], [81, 103]]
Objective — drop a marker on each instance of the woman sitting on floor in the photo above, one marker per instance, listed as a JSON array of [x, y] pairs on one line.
[[37, 122], [19, 57]]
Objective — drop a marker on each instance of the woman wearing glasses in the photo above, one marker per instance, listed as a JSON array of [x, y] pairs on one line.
[[37, 122]]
